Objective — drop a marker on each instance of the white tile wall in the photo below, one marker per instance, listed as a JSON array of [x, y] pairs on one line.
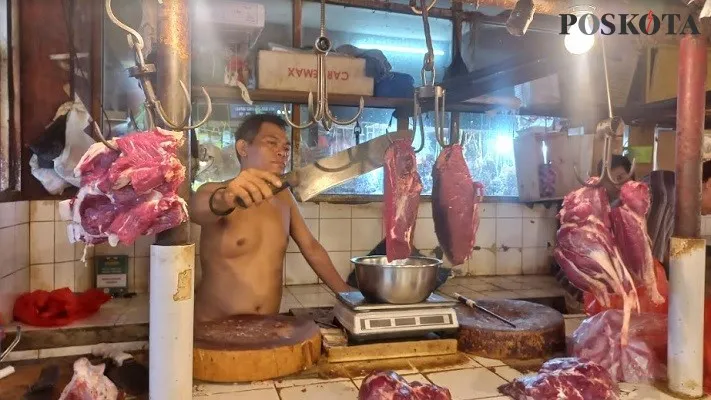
[[513, 239]]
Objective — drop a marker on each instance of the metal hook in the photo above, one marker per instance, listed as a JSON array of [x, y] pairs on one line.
[[182, 127], [98, 136], [609, 128], [12, 345], [135, 39], [320, 111], [419, 11]]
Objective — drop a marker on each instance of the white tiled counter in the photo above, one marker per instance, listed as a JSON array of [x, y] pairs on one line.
[[472, 378]]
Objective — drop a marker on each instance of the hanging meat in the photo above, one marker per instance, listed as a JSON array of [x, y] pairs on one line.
[[455, 204], [401, 198], [128, 192], [587, 252], [629, 223], [389, 385], [564, 378]]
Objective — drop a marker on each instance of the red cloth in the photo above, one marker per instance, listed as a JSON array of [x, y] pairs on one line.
[[57, 308]]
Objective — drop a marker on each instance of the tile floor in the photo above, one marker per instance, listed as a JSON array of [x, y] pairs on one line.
[[135, 310], [478, 378]]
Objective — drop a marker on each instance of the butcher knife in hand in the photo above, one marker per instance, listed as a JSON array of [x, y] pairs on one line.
[[310, 180]]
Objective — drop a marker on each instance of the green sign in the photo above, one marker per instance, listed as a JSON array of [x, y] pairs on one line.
[[112, 274]]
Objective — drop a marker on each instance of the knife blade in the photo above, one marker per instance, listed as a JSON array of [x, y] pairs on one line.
[[310, 180]]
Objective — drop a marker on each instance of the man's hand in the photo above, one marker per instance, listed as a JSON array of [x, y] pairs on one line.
[[251, 186]]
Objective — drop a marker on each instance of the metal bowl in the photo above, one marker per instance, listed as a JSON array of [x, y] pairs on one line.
[[407, 281]]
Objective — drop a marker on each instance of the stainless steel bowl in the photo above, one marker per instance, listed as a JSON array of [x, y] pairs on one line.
[[406, 281]]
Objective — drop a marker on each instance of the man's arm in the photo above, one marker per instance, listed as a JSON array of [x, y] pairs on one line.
[[200, 212], [313, 251]]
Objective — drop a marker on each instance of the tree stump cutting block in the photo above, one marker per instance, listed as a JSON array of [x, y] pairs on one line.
[[247, 348], [539, 331]]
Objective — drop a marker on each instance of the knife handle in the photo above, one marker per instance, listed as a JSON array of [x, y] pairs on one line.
[[275, 190]]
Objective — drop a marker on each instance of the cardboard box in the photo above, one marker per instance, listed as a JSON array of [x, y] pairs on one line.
[[279, 70]]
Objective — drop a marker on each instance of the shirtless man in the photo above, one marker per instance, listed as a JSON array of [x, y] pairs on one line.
[[242, 249]]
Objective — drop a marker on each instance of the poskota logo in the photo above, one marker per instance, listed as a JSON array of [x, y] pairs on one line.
[[629, 24]]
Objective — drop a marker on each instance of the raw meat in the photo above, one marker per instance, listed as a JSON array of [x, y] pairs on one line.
[[389, 385], [642, 360], [127, 193], [586, 250], [89, 383], [455, 204], [629, 223], [564, 378], [402, 198]]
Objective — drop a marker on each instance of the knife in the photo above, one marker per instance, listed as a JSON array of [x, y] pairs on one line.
[[310, 180]]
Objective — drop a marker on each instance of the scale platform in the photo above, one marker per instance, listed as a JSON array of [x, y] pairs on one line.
[[364, 320]]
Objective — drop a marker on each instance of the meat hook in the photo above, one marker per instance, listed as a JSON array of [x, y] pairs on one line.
[[142, 71], [418, 11], [609, 128], [98, 136], [12, 345], [429, 90], [320, 111]]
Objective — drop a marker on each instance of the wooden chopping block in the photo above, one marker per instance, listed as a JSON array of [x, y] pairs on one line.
[[539, 331], [245, 348]]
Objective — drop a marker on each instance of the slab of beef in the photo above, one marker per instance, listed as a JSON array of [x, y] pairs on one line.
[[564, 378], [388, 385], [629, 223], [127, 193], [401, 198], [89, 383], [455, 204], [587, 252]]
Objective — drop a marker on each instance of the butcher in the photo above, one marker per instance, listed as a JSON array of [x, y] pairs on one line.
[[242, 250], [620, 167]]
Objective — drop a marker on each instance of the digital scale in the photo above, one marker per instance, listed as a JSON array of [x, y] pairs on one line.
[[365, 320]]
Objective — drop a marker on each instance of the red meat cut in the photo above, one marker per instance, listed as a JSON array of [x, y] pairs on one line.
[[127, 193], [587, 252], [455, 204], [564, 378], [629, 223], [401, 198], [389, 385]]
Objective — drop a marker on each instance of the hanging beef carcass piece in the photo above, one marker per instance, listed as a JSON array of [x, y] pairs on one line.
[[629, 223], [127, 193], [388, 385], [455, 204], [401, 198], [587, 252], [564, 378]]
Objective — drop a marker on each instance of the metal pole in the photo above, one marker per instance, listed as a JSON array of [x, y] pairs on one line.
[[691, 104], [687, 252], [173, 66]]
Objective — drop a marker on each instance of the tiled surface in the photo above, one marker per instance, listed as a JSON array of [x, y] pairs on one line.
[[512, 240], [471, 380]]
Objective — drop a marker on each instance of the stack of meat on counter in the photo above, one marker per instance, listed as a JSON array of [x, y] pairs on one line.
[[455, 202], [127, 192]]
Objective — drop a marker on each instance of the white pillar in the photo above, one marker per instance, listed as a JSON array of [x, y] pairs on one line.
[[685, 351], [171, 322]]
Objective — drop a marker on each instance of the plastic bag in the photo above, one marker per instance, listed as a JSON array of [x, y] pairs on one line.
[[57, 308], [593, 307], [643, 359]]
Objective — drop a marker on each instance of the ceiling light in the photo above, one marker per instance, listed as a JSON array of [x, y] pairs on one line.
[[577, 42], [521, 17]]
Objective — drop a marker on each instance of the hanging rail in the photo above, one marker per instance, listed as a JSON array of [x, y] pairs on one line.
[[321, 112], [143, 72], [612, 127]]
